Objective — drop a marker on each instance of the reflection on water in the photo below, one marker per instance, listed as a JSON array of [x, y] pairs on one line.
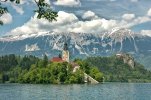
[[106, 91]]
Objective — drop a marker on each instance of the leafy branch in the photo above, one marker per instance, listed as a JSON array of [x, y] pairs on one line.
[[43, 9]]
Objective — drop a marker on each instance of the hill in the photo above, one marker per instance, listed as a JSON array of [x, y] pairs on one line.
[[115, 70]]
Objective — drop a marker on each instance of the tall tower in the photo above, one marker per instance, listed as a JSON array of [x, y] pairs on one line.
[[65, 53]]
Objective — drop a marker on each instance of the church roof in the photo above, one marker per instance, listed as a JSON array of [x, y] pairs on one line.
[[57, 59]]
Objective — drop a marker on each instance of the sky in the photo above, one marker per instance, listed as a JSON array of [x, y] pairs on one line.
[[86, 16]]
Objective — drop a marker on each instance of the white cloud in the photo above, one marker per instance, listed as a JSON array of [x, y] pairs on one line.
[[128, 17], [149, 12], [66, 22], [18, 9], [89, 15], [146, 32], [69, 22], [140, 20], [6, 18], [93, 26], [64, 18], [23, 2], [47, 1], [129, 20], [69, 3]]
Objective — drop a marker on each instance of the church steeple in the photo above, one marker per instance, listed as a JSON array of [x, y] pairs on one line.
[[65, 46], [65, 53]]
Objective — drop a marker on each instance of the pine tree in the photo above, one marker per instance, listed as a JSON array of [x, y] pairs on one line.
[[45, 61]]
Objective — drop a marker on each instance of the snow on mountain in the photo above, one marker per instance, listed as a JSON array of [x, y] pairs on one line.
[[32, 47], [80, 44]]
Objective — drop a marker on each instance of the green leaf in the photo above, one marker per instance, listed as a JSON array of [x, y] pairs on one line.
[[1, 23]]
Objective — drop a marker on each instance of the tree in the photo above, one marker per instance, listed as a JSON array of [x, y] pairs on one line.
[[43, 9], [45, 61], [96, 74]]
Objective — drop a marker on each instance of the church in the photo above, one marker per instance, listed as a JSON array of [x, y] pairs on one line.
[[64, 57]]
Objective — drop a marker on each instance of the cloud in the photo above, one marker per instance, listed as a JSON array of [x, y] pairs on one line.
[[89, 15], [146, 32], [35, 25], [18, 9], [6, 18], [69, 3], [93, 26], [149, 12], [128, 17], [130, 20], [47, 1], [140, 20], [66, 22], [24, 2], [69, 22]]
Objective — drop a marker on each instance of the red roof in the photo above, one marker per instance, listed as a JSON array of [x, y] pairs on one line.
[[57, 59]]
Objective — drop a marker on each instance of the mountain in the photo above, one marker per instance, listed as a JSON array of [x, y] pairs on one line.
[[80, 44]]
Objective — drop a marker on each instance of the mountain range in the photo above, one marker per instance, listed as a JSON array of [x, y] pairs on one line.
[[80, 45]]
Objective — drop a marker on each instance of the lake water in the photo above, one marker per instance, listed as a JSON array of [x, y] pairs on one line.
[[106, 91]]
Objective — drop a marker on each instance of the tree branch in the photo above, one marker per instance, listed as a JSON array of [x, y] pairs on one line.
[[36, 2]]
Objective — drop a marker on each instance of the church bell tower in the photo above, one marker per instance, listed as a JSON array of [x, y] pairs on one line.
[[65, 53]]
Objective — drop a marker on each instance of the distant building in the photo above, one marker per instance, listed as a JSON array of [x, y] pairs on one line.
[[64, 57], [75, 66], [57, 59], [127, 59], [65, 53]]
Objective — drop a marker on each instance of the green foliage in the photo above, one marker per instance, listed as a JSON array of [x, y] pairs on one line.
[[7, 61], [2, 11], [83, 65], [0, 77], [43, 9], [1, 23], [30, 69], [96, 74], [77, 77], [55, 73], [115, 70], [16, 1], [90, 69]]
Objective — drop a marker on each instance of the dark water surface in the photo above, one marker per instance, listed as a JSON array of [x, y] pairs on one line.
[[106, 91]]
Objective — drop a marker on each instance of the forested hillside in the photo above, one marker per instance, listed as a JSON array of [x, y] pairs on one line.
[[115, 70], [30, 69]]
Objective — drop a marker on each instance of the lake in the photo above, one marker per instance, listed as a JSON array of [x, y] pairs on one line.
[[106, 91]]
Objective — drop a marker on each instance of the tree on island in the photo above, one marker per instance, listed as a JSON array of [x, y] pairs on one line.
[[43, 9]]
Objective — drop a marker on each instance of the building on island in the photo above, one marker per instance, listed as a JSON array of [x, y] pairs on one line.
[[127, 59], [57, 59], [75, 66], [65, 53], [64, 57]]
